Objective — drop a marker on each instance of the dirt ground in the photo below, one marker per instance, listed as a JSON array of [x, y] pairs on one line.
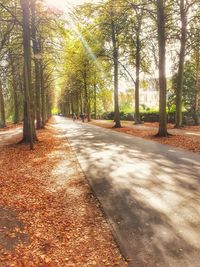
[[48, 215], [186, 138]]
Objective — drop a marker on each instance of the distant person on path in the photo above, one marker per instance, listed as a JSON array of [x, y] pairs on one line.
[[82, 117], [74, 117]]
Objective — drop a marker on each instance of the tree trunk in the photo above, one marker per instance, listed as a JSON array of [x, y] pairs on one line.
[[95, 101], [2, 108], [29, 134], [81, 102], [77, 104], [48, 106], [86, 103], [89, 107], [162, 69], [137, 82], [196, 100], [181, 65], [15, 86], [36, 52], [16, 105], [43, 107], [72, 102], [116, 74]]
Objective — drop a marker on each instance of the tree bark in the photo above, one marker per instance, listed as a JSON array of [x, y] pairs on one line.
[[196, 100], [2, 108], [89, 106], [15, 86], [36, 52], [16, 104], [29, 134], [95, 101], [72, 102], [48, 106], [116, 73], [77, 104], [43, 107], [181, 65], [81, 102], [86, 104], [162, 69], [137, 82]]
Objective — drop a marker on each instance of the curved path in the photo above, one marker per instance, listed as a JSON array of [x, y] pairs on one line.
[[149, 192]]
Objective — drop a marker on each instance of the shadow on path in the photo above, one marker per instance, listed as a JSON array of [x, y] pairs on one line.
[[150, 193]]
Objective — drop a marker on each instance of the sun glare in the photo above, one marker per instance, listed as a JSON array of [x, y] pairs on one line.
[[59, 4], [63, 4]]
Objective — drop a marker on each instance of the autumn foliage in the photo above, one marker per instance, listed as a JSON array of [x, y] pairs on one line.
[[49, 216]]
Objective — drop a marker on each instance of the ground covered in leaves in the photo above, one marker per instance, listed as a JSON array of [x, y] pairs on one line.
[[48, 215], [186, 138]]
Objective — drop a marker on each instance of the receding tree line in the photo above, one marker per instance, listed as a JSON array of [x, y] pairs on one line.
[[130, 38], [92, 50], [27, 55]]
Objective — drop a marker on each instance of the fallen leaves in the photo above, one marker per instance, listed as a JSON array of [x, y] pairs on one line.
[[57, 212], [189, 142]]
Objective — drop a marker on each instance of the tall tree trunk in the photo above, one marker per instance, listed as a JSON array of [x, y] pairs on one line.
[[86, 103], [15, 86], [196, 100], [162, 69], [29, 128], [36, 52], [16, 105], [48, 106], [116, 74], [43, 107], [137, 82], [77, 103], [81, 102], [2, 108], [89, 106], [38, 94], [95, 101], [181, 65], [72, 102]]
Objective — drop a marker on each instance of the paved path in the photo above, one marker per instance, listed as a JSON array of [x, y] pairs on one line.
[[150, 193]]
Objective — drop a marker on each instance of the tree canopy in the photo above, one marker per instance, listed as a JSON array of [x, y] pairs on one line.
[[97, 58]]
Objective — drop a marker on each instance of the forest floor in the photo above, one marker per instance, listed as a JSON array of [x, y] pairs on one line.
[[48, 214], [187, 137]]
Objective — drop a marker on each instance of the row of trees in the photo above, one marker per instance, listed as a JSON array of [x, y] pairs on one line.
[[132, 38], [102, 44], [28, 31]]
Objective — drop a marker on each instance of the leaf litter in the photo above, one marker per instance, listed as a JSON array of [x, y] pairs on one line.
[[56, 220]]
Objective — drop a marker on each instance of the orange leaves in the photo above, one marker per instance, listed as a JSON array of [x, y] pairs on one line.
[[60, 225], [186, 138]]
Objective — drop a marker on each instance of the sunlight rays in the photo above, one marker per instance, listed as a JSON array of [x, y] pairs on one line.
[[73, 20], [68, 8], [62, 4]]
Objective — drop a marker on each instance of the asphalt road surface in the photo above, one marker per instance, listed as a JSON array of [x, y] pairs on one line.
[[149, 192]]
